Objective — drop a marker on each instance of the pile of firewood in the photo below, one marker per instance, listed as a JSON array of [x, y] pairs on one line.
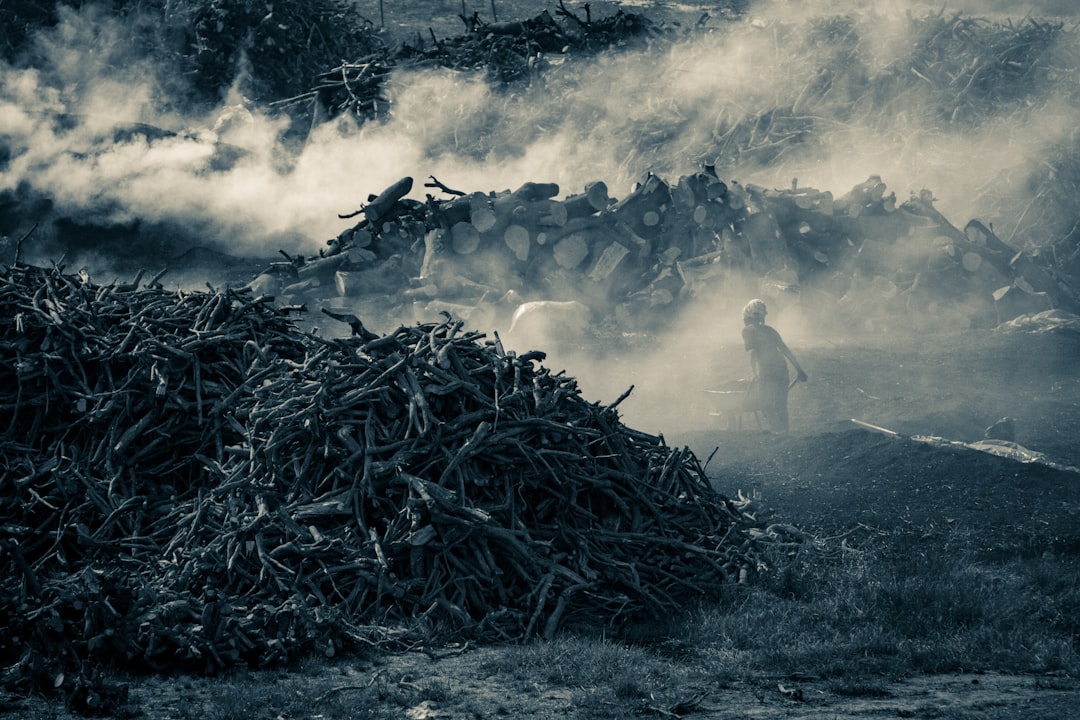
[[637, 259], [191, 482], [506, 52], [281, 44]]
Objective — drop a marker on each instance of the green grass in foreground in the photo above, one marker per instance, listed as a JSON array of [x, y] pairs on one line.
[[856, 619], [866, 613]]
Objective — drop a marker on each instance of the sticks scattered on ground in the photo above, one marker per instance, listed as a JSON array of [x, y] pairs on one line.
[[189, 481]]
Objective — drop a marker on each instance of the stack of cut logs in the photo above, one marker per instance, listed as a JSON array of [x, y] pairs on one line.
[[641, 256], [191, 482]]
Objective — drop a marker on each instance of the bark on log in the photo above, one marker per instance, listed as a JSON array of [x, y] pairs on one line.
[[644, 209], [321, 268], [436, 243], [454, 211], [551, 235], [380, 206], [595, 199], [385, 279], [534, 191], [983, 236]]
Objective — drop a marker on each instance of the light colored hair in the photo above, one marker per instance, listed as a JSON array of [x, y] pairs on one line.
[[754, 310]]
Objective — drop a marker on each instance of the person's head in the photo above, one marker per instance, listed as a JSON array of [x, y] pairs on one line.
[[754, 313]]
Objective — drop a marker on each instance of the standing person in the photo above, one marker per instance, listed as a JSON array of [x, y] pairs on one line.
[[769, 357]]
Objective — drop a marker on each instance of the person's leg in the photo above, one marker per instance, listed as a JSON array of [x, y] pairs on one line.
[[782, 408], [774, 404]]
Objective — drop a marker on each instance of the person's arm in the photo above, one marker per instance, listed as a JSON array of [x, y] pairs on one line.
[[801, 374], [750, 340]]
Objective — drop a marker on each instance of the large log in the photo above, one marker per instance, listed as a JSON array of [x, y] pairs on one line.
[[387, 278], [380, 206], [867, 196], [570, 252], [464, 238], [482, 212], [551, 235], [436, 243], [322, 268], [451, 212], [519, 240], [644, 209], [595, 199], [769, 250], [989, 246], [533, 191], [550, 213], [607, 261]]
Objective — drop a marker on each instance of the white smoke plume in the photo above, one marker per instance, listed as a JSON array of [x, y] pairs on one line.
[[611, 118]]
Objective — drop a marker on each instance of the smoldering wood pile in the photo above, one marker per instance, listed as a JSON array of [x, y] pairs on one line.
[[865, 249], [634, 261], [191, 482]]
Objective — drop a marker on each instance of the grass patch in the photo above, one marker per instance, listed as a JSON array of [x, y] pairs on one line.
[[607, 678], [852, 620], [872, 612], [857, 619], [571, 660]]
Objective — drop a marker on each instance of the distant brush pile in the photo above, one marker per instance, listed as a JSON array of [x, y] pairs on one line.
[[190, 482]]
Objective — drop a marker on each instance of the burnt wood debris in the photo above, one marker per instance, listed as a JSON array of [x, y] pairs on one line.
[[191, 482]]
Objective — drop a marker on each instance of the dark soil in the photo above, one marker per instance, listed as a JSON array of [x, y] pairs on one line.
[[831, 474], [832, 482]]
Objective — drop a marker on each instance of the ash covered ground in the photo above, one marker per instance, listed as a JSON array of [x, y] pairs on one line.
[[940, 395]]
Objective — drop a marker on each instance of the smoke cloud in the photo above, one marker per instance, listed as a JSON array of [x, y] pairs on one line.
[[81, 127], [611, 119]]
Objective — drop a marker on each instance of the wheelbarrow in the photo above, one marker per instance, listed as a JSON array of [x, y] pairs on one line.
[[732, 402], [735, 400]]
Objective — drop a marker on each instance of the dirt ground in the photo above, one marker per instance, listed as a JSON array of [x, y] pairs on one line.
[[479, 692], [827, 476], [939, 394]]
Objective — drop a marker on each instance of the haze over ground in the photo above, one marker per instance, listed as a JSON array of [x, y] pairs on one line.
[[818, 78]]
